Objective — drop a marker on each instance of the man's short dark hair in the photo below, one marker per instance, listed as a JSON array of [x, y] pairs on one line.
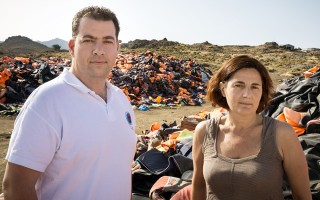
[[96, 13]]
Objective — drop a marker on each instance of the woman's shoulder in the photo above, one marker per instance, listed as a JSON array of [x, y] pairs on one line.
[[283, 128], [285, 133], [202, 126]]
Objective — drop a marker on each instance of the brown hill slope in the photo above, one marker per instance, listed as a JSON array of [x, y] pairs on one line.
[[17, 45]]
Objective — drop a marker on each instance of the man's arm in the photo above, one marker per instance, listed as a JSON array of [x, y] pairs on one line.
[[19, 182]]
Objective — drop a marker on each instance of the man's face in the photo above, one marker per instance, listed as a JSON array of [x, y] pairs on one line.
[[94, 49]]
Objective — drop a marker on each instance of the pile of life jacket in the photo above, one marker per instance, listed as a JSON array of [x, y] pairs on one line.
[[20, 76], [163, 166], [147, 80], [297, 102]]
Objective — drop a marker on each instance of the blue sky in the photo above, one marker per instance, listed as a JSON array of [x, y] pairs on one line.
[[220, 22]]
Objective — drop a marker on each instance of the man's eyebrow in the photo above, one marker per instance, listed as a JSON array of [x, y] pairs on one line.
[[256, 84], [89, 36], [104, 38], [109, 38]]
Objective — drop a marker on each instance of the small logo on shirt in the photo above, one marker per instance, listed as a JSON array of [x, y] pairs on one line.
[[129, 119]]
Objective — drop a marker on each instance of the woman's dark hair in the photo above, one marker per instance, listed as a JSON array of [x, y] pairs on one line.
[[97, 13], [228, 69]]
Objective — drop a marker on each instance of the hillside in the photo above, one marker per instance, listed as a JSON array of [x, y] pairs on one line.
[[17, 45], [62, 43]]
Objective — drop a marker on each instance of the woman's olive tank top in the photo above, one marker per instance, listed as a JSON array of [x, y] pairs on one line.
[[256, 177]]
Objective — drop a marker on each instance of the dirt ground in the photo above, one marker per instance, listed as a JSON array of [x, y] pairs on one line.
[[144, 121], [6, 125]]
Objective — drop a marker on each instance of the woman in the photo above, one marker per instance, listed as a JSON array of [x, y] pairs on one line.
[[244, 155]]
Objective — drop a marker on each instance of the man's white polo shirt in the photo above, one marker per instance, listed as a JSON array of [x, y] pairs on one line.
[[83, 145]]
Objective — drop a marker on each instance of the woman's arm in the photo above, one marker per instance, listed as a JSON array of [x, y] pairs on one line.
[[294, 162], [198, 183]]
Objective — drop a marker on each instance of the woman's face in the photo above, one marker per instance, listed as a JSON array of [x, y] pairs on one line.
[[243, 91]]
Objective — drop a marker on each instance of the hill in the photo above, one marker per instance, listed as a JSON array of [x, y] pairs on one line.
[[17, 45], [62, 43]]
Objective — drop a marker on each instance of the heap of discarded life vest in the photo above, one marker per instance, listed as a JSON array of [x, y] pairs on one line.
[[150, 80], [20, 76], [146, 79], [163, 161], [297, 102]]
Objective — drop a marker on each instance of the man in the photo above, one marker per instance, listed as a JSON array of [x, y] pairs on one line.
[[67, 138]]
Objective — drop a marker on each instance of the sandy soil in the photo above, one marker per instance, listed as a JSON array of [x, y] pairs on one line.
[[6, 125]]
